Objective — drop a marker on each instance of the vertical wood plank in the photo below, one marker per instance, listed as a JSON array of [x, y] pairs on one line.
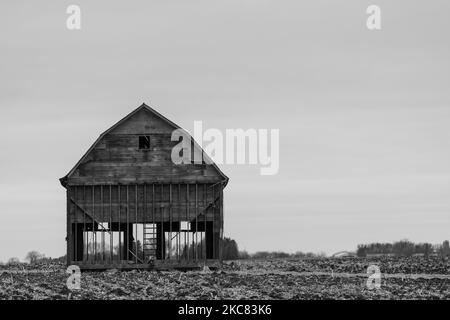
[[85, 237], [119, 201], [103, 228], [214, 222], [189, 235], [221, 223], [205, 196], [94, 238], [170, 221], [76, 225], [111, 234], [163, 243], [179, 222], [127, 246], [144, 221], [196, 223], [135, 222], [186, 241], [69, 227]]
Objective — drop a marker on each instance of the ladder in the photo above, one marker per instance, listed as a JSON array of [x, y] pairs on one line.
[[149, 242]]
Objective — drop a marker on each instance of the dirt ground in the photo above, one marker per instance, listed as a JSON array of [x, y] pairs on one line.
[[319, 278]]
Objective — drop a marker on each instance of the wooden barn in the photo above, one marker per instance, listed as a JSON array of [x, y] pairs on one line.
[[130, 206]]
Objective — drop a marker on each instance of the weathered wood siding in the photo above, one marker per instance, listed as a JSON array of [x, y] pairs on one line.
[[116, 158], [144, 203]]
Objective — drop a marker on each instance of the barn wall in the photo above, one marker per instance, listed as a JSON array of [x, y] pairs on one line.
[[119, 207]]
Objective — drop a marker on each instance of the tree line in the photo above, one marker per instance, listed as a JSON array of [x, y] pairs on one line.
[[404, 248], [230, 251]]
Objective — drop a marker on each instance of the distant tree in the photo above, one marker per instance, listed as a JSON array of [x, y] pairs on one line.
[[34, 256], [299, 254], [230, 249], [361, 251], [427, 249], [445, 248], [403, 248], [244, 255], [279, 254], [13, 261], [261, 255]]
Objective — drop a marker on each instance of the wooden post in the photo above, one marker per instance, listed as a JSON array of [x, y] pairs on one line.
[[170, 220], [85, 258], [119, 203], [205, 243], [135, 223], [186, 242], [69, 228], [213, 221], [111, 233], [76, 225], [94, 238], [128, 226], [153, 218], [179, 219], [163, 243], [144, 220], [196, 223], [103, 227], [221, 223]]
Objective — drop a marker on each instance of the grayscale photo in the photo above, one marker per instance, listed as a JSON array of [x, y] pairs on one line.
[[225, 155]]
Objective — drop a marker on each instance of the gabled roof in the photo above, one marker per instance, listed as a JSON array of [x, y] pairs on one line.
[[156, 113]]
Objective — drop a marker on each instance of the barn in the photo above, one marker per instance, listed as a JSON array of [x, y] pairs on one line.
[[130, 206]]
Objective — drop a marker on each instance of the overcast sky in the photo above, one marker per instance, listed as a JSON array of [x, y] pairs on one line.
[[364, 116]]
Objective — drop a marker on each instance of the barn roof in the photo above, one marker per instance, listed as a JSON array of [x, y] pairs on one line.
[[157, 114]]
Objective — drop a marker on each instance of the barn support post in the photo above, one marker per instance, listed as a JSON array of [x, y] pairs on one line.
[[102, 220], [94, 238], [79, 242], [119, 207], [205, 230], [153, 220], [144, 220], [85, 237], [69, 228], [127, 236], [179, 223], [196, 223], [188, 218], [221, 224], [214, 246], [170, 222], [75, 227], [111, 235], [160, 247], [135, 222]]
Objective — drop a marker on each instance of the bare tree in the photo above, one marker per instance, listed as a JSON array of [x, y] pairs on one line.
[[34, 256], [13, 261]]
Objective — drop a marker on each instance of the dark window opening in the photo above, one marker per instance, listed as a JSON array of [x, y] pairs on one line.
[[144, 142]]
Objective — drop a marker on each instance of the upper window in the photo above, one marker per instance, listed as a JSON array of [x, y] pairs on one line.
[[144, 142]]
